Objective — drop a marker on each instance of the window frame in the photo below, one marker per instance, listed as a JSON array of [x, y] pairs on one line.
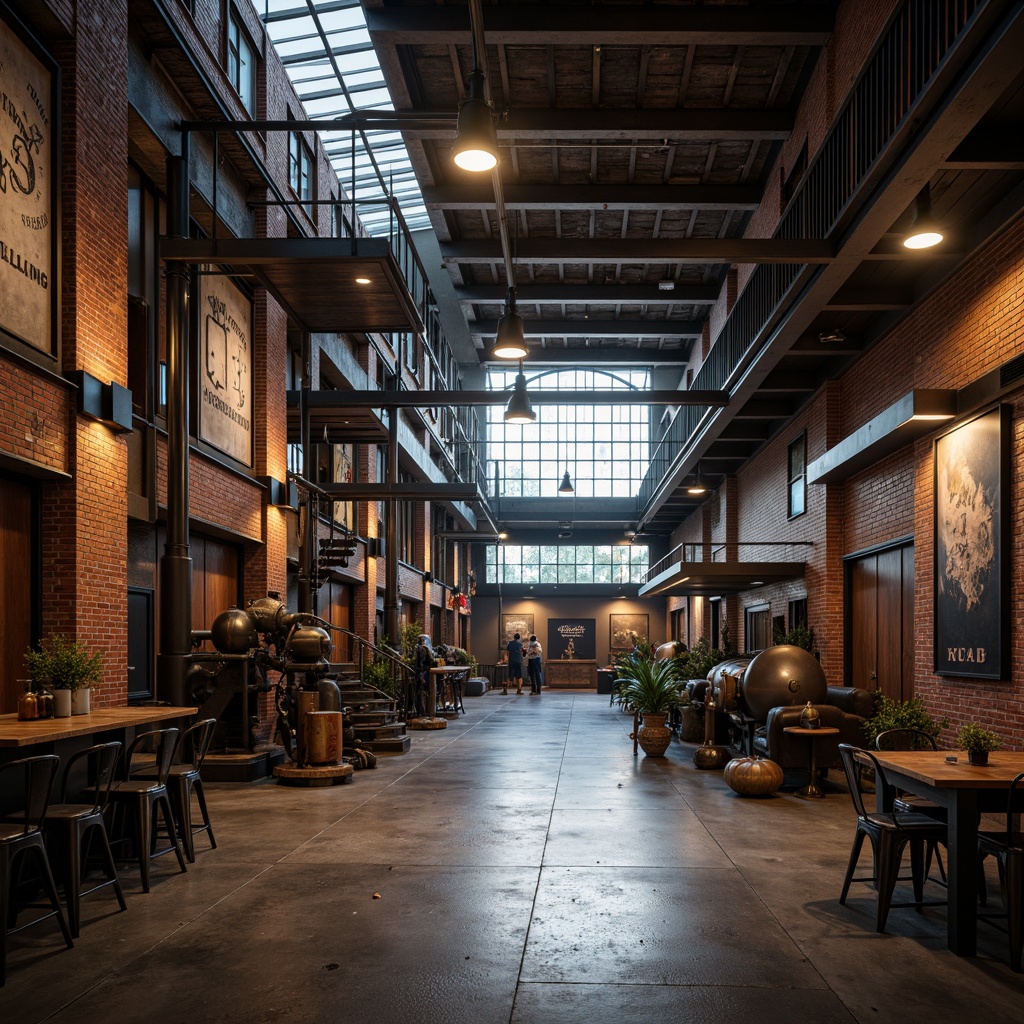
[[237, 37], [796, 481], [300, 158]]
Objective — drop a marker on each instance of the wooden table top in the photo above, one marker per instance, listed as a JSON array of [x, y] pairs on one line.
[[16, 733], [931, 767], [822, 730]]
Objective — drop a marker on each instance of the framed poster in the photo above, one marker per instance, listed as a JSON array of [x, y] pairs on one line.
[[626, 630], [225, 367], [972, 572], [570, 639], [29, 188], [516, 622], [345, 473]]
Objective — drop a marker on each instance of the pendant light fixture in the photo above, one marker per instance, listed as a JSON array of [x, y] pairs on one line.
[[566, 486], [476, 142], [519, 409], [925, 230], [509, 339], [697, 487]]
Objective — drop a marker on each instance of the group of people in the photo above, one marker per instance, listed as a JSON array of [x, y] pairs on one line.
[[533, 655]]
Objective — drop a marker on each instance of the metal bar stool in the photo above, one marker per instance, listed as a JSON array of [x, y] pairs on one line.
[[25, 835], [143, 799], [71, 826], [184, 778]]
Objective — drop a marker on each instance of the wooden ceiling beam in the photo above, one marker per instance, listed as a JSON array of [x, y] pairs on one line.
[[471, 196], [606, 25], [640, 250]]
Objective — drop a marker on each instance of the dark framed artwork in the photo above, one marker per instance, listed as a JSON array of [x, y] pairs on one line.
[[626, 630], [516, 622], [29, 189], [972, 570]]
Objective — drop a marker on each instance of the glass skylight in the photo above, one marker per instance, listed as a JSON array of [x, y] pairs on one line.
[[319, 41]]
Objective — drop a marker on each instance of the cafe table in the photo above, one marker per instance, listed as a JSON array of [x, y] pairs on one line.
[[965, 790], [34, 732]]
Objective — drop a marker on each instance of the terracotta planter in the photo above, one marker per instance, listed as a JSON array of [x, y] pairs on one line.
[[80, 702], [61, 703], [654, 736]]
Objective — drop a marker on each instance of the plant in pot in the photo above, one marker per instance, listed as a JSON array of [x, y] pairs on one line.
[[650, 689], [69, 669], [977, 742], [901, 714]]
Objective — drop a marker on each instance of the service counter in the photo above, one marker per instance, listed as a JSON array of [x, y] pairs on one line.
[[574, 674]]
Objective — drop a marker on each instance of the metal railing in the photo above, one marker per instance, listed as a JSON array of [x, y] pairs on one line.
[[741, 551], [919, 40]]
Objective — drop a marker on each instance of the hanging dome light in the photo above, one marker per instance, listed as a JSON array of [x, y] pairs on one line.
[[925, 230], [476, 142], [566, 486], [509, 339], [696, 487], [519, 409]]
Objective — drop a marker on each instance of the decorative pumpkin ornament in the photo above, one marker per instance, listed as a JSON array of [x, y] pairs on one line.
[[753, 776], [810, 718]]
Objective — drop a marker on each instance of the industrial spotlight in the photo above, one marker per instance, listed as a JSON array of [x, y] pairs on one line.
[[509, 340], [519, 409], [476, 142], [697, 487], [925, 230]]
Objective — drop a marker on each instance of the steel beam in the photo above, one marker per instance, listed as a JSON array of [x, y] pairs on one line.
[[439, 399]]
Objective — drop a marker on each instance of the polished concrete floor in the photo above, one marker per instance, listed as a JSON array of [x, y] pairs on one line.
[[519, 866]]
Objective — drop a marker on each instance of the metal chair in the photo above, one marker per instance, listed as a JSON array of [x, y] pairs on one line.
[[26, 836], [889, 834], [1008, 847], [907, 803], [142, 799], [71, 826], [184, 778]]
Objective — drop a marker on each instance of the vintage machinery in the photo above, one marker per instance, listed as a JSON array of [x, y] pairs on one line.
[[248, 644]]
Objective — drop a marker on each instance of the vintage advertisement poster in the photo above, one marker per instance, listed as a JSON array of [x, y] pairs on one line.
[[971, 548], [27, 194], [569, 639], [225, 370]]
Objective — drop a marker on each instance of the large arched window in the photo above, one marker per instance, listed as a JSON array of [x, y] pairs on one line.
[[605, 447]]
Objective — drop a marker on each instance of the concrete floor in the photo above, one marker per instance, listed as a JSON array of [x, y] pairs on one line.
[[529, 870]]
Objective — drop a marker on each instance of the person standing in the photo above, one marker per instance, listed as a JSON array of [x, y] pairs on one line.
[[424, 659], [515, 663], [535, 663]]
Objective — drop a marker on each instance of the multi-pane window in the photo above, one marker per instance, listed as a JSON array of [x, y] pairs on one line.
[[605, 448], [758, 628], [797, 482], [300, 169], [241, 63], [567, 563]]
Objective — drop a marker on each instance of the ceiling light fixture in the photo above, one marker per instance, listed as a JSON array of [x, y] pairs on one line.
[[697, 487], [362, 280], [476, 142], [566, 487], [667, 285], [519, 409], [925, 230], [509, 339]]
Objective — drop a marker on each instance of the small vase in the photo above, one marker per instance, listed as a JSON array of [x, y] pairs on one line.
[[654, 736], [977, 757], [80, 702], [61, 703]]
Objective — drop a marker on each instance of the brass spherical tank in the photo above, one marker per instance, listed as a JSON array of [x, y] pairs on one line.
[[781, 677], [233, 632]]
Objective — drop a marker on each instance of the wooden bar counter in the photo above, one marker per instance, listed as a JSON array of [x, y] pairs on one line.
[[15, 733], [574, 674]]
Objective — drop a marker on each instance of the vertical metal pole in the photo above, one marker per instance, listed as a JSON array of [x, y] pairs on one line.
[[391, 532], [307, 521], [175, 563]]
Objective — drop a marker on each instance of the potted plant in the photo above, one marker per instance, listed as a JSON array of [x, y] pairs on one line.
[[650, 689], [901, 714], [977, 742], [68, 668]]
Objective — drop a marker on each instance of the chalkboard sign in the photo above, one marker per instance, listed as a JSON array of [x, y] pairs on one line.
[[569, 639]]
